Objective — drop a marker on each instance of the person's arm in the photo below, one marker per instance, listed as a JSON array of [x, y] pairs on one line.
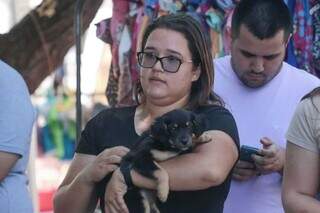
[[7, 160], [301, 180], [208, 165], [77, 192]]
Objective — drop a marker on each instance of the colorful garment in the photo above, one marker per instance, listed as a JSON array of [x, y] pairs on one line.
[[302, 35]]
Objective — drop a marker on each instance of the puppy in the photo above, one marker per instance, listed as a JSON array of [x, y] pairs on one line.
[[169, 136]]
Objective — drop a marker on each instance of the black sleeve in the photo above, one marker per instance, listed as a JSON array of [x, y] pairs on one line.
[[84, 146], [219, 118], [109, 128], [91, 135]]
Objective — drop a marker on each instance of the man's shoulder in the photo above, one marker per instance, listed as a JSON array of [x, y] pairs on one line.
[[299, 75], [11, 78], [222, 60], [7, 70]]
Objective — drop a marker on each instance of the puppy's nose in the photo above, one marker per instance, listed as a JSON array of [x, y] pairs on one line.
[[184, 140]]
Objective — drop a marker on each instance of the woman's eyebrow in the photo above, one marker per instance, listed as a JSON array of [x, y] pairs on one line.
[[174, 52], [149, 48], [167, 50]]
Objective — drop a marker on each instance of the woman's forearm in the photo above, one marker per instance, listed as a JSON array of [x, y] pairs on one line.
[[183, 175], [77, 197], [300, 203], [188, 173], [203, 168], [180, 179]]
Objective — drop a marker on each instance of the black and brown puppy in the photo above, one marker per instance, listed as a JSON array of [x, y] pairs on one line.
[[169, 136]]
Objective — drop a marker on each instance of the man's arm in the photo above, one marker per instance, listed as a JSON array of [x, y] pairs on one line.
[[7, 160]]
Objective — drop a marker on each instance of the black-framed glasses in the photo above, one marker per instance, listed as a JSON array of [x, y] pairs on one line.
[[168, 63]]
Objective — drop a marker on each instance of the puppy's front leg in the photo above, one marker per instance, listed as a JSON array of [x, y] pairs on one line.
[[149, 201], [162, 155], [203, 138], [162, 179]]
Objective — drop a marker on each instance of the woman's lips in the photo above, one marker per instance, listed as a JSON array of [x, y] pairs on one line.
[[157, 80]]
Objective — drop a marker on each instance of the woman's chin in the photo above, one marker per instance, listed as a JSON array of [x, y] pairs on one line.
[[157, 93], [157, 97]]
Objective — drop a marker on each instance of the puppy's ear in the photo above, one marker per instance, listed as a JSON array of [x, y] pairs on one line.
[[159, 126], [198, 124]]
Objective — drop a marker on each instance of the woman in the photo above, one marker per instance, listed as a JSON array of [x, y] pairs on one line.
[[176, 72], [302, 168]]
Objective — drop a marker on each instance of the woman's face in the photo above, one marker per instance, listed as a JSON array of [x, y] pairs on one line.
[[165, 88]]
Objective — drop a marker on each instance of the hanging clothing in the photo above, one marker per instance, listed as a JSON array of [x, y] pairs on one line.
[[131, 17], [302, 36], [315, 13]]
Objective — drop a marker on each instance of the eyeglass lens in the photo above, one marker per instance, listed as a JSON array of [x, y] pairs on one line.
[[168, 63]]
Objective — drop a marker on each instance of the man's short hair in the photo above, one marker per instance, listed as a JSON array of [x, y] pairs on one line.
[[263, 18]]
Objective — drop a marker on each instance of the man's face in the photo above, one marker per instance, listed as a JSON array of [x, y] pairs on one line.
[[257, 61]]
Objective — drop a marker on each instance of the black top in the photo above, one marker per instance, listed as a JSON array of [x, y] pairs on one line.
[[115, 127]]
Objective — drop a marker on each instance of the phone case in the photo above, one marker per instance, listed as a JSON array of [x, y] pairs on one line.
[[246, 152]]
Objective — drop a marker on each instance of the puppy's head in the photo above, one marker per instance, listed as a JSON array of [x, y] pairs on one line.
[[174, 130]]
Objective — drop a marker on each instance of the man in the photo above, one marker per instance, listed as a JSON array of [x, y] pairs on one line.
[[16, 120], [261, 92]]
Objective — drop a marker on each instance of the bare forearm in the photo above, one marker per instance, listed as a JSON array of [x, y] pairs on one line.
[[203, 168], [7, 160], [300, 203], [283, 156], [184, 175], [190, 172], [77, 197]]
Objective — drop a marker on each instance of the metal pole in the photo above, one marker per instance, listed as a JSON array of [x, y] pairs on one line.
[[78, 26]]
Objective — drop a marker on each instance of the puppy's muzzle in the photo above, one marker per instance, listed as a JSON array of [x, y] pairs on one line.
[[182, 143]]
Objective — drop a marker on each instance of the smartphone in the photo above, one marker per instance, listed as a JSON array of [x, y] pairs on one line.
[[247, 151]]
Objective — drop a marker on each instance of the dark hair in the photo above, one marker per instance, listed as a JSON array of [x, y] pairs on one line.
[[263, 18], [311, 95], [201, 90]]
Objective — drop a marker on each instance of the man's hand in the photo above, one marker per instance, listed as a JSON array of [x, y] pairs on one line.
[[244, 171], [272, 159], [115, 191]]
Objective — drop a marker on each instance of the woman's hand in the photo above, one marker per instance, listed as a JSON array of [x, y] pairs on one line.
[[106, 162], [115, 191]]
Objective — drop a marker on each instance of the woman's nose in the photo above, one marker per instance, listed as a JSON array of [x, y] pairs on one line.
[[158, 66]]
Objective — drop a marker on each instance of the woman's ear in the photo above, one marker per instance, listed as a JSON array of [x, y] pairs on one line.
[[196, 74]]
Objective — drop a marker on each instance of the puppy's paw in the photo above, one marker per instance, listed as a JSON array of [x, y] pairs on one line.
[[162, 178], [204, 138], [163, 192]]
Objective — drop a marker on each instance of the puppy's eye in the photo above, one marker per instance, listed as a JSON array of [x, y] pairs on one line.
[[173, 127]]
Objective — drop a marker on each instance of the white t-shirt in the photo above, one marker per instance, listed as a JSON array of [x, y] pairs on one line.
[[260, 112]]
